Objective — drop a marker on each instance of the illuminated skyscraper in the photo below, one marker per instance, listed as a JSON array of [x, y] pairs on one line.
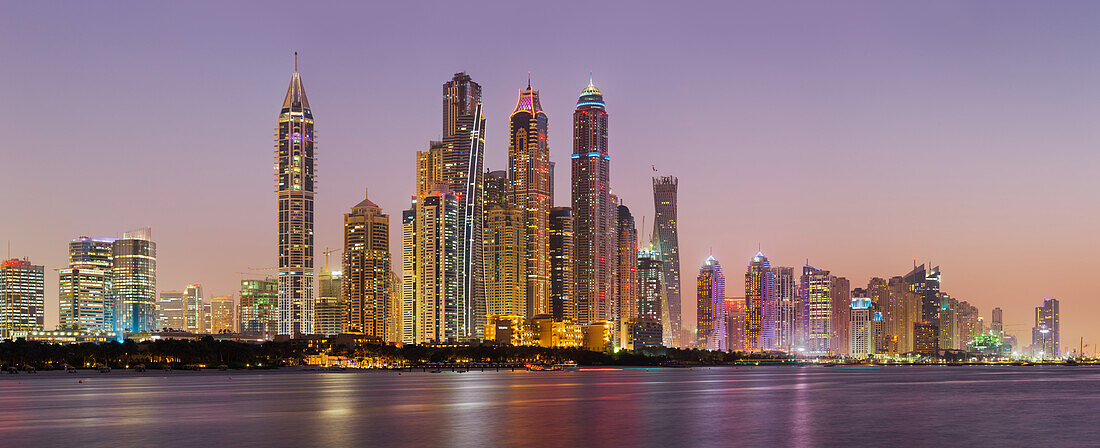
[[666, 240], [623, 303], [134, 281], [366, 270], [562, 282], [925, 287], [329, 311], [505, 284], [711, 302], [409, 284], [735, 324], [22, 293], [222, 315], [1046, 335], [593, 210], [84, 297], [171, 311], [785, 295], [258, 310], [862, 338], [996, 323], [294, 164], [529, 190], [815, 289], [439, 306], [759, 304], [193, 309], [841, 290]]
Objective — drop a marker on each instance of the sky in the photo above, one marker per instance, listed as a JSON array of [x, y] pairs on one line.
[[859, 136]]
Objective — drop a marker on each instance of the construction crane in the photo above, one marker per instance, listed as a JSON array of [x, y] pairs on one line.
[[329, 251]]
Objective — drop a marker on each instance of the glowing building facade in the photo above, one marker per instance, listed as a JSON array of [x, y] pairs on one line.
[[593, 209], [562, 281], [1046, 334], [666, 241], [134, 281], [529, 190], [711, 302], [258, 310], [624, 301], [759, 304], [84, 287], [22, 293], [294, 165], [814, 287], [366, 271]]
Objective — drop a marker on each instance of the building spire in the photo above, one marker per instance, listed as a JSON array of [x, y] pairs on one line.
[[528, 80], [590, 84], [295, 62]]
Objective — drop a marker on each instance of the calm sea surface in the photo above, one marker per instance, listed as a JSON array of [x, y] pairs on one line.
[[762, 406]]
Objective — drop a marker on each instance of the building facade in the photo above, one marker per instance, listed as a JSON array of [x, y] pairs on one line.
[[134, 281], [22, 297], [711, 306], [815, 288], [366, 271], [1046, 334], [530, 190], [623, 302], [295, 165], [562, 263], [84, 289], [330, 311], [759, 304], [258, 310], [594, 211], [666, 241]]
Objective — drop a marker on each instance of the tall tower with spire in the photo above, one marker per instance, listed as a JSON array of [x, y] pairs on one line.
[[294, 165], [529, 190], [594, 212]]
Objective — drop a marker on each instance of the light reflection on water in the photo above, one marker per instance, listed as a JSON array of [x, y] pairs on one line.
[[778, 406]]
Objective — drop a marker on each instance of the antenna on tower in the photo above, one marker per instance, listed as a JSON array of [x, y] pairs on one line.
[[528, 80], [295, 62]]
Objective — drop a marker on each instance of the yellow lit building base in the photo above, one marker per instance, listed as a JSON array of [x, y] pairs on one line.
[[542, 331]]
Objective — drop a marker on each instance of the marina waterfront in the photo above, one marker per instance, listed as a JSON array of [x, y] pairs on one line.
[[720, 406]]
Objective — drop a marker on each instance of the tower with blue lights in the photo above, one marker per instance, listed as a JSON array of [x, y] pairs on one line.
[[593, 211]]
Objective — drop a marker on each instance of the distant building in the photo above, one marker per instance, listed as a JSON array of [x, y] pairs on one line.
[[172, 311], [711, 311], [815, 288], [193, 309], [504, 330], [861, 340], [258, 309], [223, 317], [651, 292], [366, 271], [594, 210], [329, 311], [84, 293], [841, 290], [666, 241], [1046, 335], [926, 338], [505, 282], [22, 293], [134, 281], [785, 294], [643, 333], [598, 336], [530, 189], [623, 303], [562, 283], [440, 308], [735, 324], [759, 304]]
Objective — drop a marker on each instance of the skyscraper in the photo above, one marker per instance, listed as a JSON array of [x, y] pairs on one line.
[[925, 287], [862, 338], [193, 309], [735, 324], [294, 164], [1046, 335], [366, 270], [258, 310], [505, 261], [410, 331], [529, 190], [815, 289], [84, 297], [711, 303], [330, 311], [562, 263], [759, 304], [222, 316], [22, 288], [841, 290], [623, 303], [593, 210], [134, 281], [439, 305], [785, 294], [996, 323], [666, 240], [171, 311]]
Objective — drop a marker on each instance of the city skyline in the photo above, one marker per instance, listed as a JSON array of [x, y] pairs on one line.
[[880, 246]]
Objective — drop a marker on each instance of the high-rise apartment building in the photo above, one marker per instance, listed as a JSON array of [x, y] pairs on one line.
[[652, 303], [530, 190], [134, 281], [171, 311], [841, 290], [996, 322], [815, 289], [667, 242], [84, 288], [409, 283], [258, 310], [711, 306], [861, 340], [593, 210], [22, 293], [366, 270], [294, 165], [624, 300], [223, 319], [505, 261], [330, 311], [759, 304], [1046, 334], [562, 264], [193, 309], [735, 324], [785, 294], [439, 303]]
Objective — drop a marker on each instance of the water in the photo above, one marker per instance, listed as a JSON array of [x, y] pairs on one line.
[[763, 406]]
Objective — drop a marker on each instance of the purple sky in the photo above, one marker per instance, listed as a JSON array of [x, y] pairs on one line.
[[857, 135]]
